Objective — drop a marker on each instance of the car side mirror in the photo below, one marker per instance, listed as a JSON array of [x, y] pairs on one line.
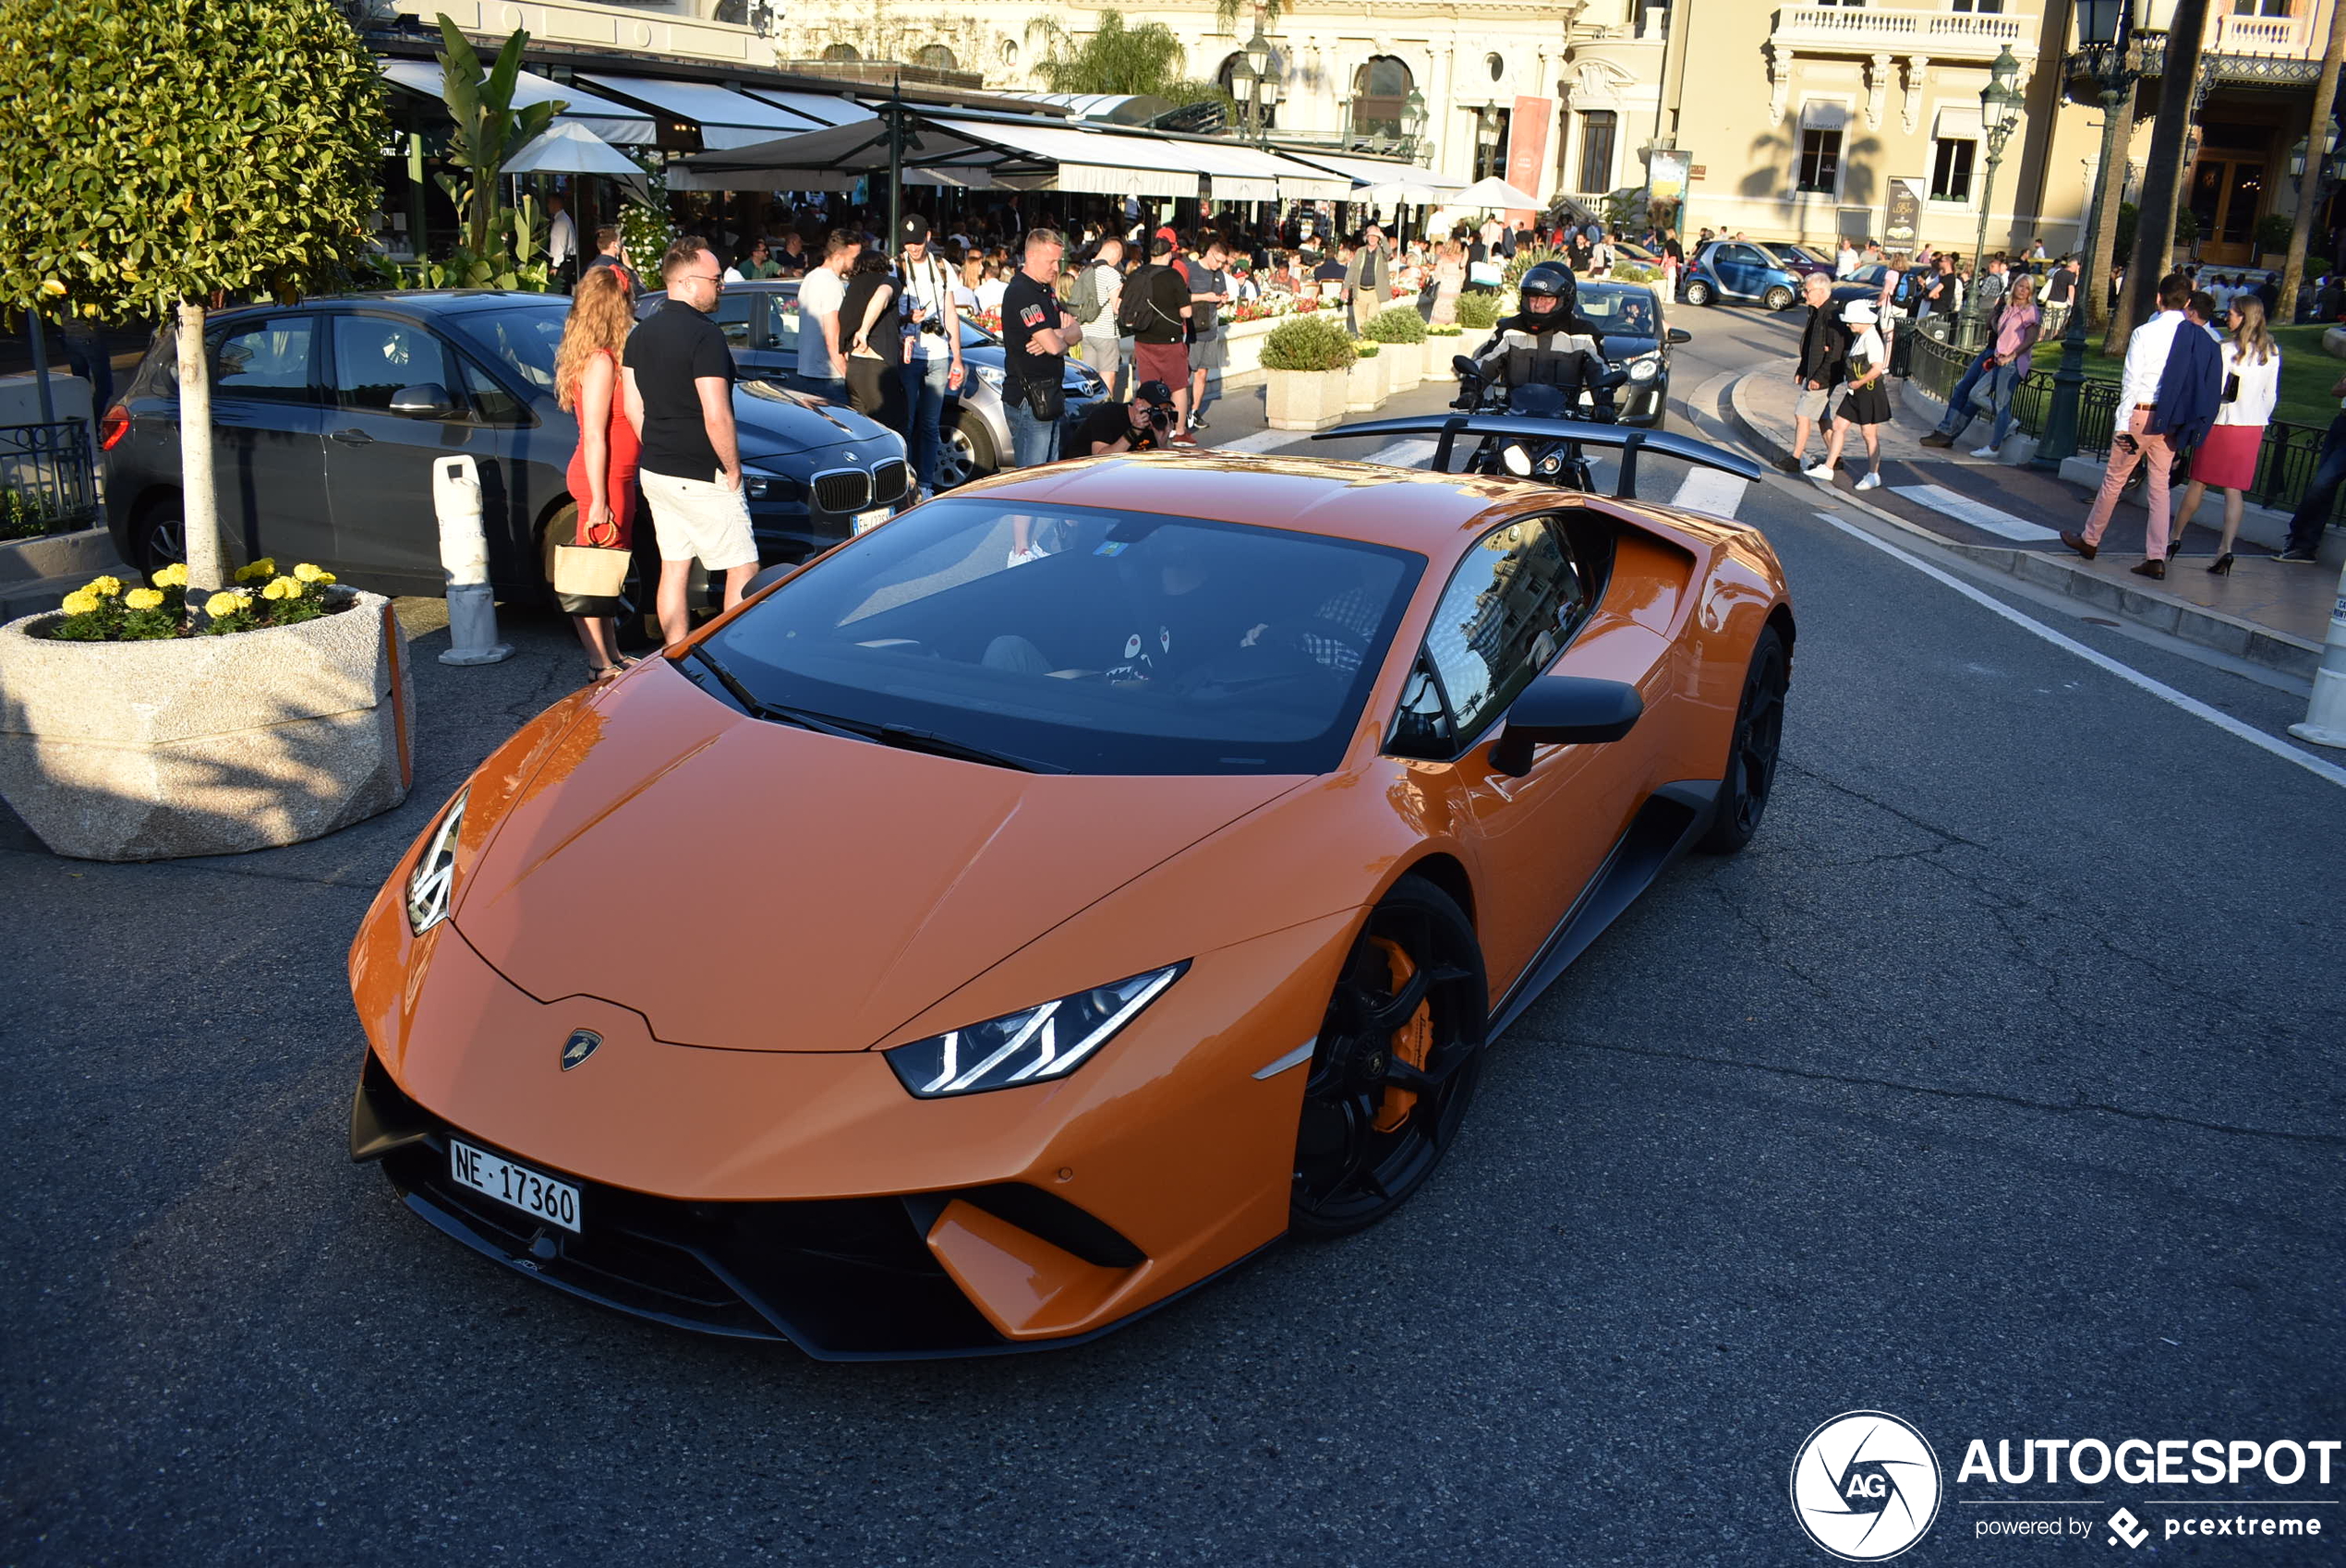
[[1563, 710], [1463, 366], [1679, 334], [426, 399]]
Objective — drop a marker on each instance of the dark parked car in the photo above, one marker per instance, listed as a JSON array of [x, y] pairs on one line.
[[1630, 317], [327, 414], [760, 320]]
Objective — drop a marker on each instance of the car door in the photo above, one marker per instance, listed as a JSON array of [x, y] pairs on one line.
[[378, 463], [765, 334], [1509, 612], [1739, 268], [269, 460]]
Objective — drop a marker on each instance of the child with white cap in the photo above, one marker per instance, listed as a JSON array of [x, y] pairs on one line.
[[1865, 403]]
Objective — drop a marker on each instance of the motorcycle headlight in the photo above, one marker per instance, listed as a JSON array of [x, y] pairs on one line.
[[1517, 461], [431, 884], [990, 376], [1645, 367], [1030, 1046]]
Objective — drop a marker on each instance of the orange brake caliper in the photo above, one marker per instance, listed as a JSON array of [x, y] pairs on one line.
[[1412, 1043]]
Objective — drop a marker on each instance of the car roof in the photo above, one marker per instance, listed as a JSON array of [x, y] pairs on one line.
[[421, 302], [1408, 509]]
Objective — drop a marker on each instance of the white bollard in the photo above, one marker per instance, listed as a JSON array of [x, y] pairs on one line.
[[2326, 714], [463, 555]]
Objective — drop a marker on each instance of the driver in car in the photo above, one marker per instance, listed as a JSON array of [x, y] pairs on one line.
[[1547, 341]]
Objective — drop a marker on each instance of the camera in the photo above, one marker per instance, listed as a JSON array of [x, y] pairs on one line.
[[1160, 417]]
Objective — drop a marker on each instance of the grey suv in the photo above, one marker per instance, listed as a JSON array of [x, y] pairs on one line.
[[326, 416]]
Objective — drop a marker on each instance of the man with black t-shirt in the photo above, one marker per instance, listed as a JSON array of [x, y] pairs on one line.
[[1159, 309], [1141, 425], [680, 398], [1036, 333]]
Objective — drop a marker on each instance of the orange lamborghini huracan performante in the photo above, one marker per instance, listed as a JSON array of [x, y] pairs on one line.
[[1057, 893]]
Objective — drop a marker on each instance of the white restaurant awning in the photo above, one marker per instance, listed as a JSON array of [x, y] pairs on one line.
[[823, 108], [726, 118], [611, 122], [1358, 171], [1060, 155]]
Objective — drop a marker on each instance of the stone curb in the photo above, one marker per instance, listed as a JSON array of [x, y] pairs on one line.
[[35, 574], [2177, 618]]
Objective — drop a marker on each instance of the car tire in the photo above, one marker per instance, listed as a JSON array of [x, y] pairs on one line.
[[1395, 1064], [1753, 749], [158, 536], [1699, 293], [1778, 299], [967, 451], [638, 626]]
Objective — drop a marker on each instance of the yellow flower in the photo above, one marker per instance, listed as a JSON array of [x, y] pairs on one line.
[[309, 573], [106, 587], [223, 603], [282, 588], [81, 601], [143, 599], [172, 576], [265, 567]]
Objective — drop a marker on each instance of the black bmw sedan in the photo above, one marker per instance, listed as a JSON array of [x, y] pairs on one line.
[[1629, 315], [328, 414]]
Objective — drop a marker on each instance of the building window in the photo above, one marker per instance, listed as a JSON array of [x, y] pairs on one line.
[[1596, 148], [1950, 169], [1379, 96], [1490, 129], [840, 52], [937, 57], [2261, 8], [1984, 7], [1820, 160], [1496, 65]]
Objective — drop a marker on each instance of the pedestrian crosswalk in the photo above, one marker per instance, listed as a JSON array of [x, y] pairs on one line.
[[1978, 514]]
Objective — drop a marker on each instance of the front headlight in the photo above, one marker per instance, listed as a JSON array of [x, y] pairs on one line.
[[1517, 461], [1041, 1042], [990, 376], [432, 882], [1645, 367], [770, 487]]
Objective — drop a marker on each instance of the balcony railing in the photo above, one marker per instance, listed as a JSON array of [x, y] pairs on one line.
[[1865, 29], [2258, 35]]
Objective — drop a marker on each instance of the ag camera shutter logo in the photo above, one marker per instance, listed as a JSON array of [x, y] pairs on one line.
[[1865, 1486]]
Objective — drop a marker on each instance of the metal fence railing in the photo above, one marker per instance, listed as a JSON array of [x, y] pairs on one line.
[[47, 484]]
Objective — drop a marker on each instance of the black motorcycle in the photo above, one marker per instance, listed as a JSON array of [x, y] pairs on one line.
[[1557, 461]]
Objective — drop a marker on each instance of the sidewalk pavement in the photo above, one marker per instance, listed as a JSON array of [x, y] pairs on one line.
[[2009, 517]]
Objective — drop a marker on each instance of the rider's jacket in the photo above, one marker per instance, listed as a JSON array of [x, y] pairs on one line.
[[1559, 350]]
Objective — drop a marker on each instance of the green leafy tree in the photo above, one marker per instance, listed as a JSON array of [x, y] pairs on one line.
[[165, 154], [499, 240], [1116, 58]]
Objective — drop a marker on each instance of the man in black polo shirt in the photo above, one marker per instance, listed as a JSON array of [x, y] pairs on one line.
[[1036, 333], [680, 398]]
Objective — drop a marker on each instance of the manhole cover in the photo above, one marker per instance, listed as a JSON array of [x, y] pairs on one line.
[[2095, 620]]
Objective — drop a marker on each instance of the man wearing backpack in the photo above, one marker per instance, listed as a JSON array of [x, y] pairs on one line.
[[1154, 307], [1097, 293]]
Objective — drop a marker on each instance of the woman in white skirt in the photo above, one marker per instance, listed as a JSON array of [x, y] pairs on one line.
[[1864, 402]]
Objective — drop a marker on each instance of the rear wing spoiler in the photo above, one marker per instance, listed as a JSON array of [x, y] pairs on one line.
[[1450, 427]]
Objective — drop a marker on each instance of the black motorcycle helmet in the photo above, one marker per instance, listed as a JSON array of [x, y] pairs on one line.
[[1550, 280]]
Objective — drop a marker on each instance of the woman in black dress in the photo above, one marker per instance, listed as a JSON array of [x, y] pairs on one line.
[[875, 341], [1865, 403]]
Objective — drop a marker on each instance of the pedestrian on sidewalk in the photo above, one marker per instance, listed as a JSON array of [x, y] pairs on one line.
[[1944, 297], [934, 370], [602, 469], [1209, 351], [1824, 353], [2305, 524], [1098, 292], [680, 398], [1157, 308], [822, 340], [875, 333], [2167, 397], [1866, 402], [1037, 332], [2228, 458], [2002, 364]]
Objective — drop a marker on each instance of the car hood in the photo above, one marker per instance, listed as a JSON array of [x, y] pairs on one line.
[[750, 886], [772, 422], [1621, 345]]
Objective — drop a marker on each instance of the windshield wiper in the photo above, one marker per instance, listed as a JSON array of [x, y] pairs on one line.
[[895, 735]]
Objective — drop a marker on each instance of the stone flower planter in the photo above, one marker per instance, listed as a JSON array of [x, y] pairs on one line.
[[1366, 389], [1304, 399], [1404, 366], [206, 745]]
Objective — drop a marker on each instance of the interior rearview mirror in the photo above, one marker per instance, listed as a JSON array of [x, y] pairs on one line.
[[1563, 710], [1679, 334], [426, 399]]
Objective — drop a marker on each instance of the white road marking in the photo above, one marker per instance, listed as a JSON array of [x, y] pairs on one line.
[[1260, 441], [1978, 514], [2127, 674], [1711, 493], [1412, 454]]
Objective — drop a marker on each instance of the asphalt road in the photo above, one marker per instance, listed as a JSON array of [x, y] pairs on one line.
[[1996, 1086]]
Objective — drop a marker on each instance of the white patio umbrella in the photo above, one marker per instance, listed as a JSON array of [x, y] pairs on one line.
[[567, 149], [1405, 193], [1492, 191]]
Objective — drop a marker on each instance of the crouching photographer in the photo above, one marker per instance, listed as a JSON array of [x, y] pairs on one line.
[[1145, 424]]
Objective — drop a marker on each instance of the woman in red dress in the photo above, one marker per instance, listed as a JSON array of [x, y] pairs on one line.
[[602, 471]]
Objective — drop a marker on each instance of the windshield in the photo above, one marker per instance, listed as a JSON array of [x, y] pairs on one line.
[[1128, 643], [1620, 310], [522, 339]]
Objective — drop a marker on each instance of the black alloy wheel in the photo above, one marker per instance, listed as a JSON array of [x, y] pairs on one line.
[[159, 538], [1751, 753], [966, 452], [1395, 1065]]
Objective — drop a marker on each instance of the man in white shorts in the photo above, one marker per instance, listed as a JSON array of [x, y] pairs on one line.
[[680, 398]]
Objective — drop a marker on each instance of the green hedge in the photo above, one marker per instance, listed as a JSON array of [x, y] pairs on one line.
[[1478, 310], [1307, 342], [1398, 324]]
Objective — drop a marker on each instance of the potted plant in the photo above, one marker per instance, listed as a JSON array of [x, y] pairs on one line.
[[1364, 389], [149, 181], [2274, 231], [1401, 332], [1307, 362], [1479, 312]]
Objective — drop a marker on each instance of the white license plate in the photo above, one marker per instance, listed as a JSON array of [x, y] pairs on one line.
[[553, 1201], [873, 518]]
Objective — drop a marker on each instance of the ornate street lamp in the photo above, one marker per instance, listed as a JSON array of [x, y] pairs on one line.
[[1414, 117], [2000, 106], [2106, 31], [1243, 81]]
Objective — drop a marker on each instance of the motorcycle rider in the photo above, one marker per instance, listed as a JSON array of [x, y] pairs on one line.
[[1547, 341]]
